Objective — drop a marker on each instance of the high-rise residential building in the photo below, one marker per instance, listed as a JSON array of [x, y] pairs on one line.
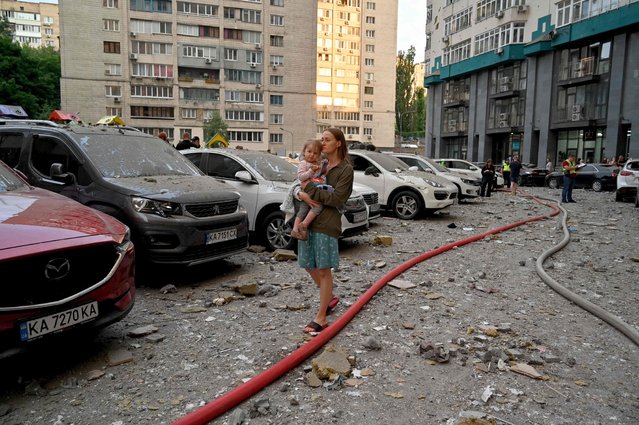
[[35, 24], [168, 66], [541, 79]]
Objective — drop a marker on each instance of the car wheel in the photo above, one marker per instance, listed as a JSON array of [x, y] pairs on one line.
[[276, 233], [553, 183], [618, 196], [406, 205], [597, 185]]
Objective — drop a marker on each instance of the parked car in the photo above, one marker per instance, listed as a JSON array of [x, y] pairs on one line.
[[176, 214], [467, 185], [597, 177], [263, 181], [627, 180], [406, 193], [467, 167], [64, 267], [531, 175]]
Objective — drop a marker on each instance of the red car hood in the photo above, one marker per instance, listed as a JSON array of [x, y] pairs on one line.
[[38, 216]]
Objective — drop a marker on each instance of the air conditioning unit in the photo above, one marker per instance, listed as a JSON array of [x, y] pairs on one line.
[[502, 124], [274, 67], [325, 49], [133, 56], [452, 123], [326, 33], [576, 116], [350, 136], [350, 51], [117, 99], [207, 60], [107, 72], [258, 46], [253, 64], [499, 14], [445, 40], [345, 22], [504, 80], [205, 75], [133, 34], [499, 50], [258, 86], [452, 129], [522, 8], [369, 137], [576, 109], [503, 116], [339, 50], [322, 18], [369, 81]]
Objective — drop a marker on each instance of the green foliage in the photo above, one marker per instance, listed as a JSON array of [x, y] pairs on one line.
[[30, 77], [5, 27], [410, 106], [214, 126]]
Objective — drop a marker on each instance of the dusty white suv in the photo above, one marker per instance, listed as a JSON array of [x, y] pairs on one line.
[[406, 193], [627, 180]]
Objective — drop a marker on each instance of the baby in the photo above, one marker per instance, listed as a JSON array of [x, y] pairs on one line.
[[311, 168]]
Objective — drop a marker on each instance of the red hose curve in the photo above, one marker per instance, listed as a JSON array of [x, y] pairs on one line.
[[236, 396]]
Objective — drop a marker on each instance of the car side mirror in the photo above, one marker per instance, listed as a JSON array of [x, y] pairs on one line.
[[413, 168], [57, 173], [371, 171], [244, 176]]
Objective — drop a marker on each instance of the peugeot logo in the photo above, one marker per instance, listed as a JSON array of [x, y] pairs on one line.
[[216, 209], [57, 269]]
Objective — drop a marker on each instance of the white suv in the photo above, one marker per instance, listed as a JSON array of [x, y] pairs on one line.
[[627, 180], [467, 167], [406, 193], [467, 185]]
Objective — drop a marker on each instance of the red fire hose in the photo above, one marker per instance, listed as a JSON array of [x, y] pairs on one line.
[[236, 396]]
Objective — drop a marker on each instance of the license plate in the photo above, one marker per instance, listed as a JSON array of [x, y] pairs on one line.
[[359, 216], [221, 236], [45, 325]]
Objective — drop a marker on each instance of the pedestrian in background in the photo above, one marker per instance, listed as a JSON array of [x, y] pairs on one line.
[[487, 176], [195, 142], [505, 171], [164, 136], [549, 166], [515, 168], [569, 171], [320, 253], [185, 143]]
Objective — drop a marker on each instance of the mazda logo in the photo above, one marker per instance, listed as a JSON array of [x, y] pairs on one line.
[[57, 269]]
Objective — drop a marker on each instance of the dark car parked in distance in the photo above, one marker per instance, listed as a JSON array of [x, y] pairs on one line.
[[531, 175], [176, 214], [63, 266], [597, 177]]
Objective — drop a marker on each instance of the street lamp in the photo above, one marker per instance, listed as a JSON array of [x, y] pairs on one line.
[[292, 138]]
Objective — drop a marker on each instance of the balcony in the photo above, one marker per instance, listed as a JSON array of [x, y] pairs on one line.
[[579, 73], [505, 87], [456, 99], [454, 127]]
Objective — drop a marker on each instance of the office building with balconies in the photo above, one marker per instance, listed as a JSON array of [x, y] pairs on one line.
[[538, 79], [261, 64]]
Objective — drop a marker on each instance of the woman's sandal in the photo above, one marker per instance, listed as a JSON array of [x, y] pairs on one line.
[[314, 327], [332, 304]]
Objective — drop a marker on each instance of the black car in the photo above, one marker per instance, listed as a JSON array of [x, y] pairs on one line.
[[597, 177], [176, 214], [531, 175]]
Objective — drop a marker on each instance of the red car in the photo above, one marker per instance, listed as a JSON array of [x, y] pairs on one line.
[[63, 266]]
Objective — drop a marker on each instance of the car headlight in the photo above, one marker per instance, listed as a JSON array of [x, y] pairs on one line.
[[432, 183], [123, 246], [161, 208], [468, 181], [355, 203]]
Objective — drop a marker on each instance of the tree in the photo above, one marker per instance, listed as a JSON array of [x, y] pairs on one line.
[[5, 27], [420, 113], [404, 89], [215, 125], [30, 77]]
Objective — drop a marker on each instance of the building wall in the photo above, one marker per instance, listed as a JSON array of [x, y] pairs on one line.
[[36, 24], [563, 105], [86, 77]]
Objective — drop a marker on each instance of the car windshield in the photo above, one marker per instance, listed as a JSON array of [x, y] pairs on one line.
[[9, 181], [135, 156], [388, 162], [271, 167], [436, 165]]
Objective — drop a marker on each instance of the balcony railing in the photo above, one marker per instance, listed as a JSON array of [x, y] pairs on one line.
[[454, 126]]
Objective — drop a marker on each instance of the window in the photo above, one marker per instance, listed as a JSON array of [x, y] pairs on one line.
[[149, 48], [161, 6], [189, 113], [277, 119], [253, 37], [113, 91], [110, 4], [486, 9], [198, 9], [190, 30], [189, 51], [255, 97], [110, 111], [368, 131], [112, 69], [253, 57], [370, 33], [458, 21], [368, 90], [150, 27], [252, 16], [370, 5], [369, 61], [194, 93], [232, 96], [277, 99], [244, 115], [456, 53], [370, 48], [368, 117], [159, 92], [108, 25], [231, 13], [276, 80], [369, 77], [245, 136], [498, 37], [230, 54], [277, 60], [243, 76], [111, 47], [370, 19], [368, 104], [277, 20], [151, 70], [277, 3], [277, 41], [276, 138], [152, 112]]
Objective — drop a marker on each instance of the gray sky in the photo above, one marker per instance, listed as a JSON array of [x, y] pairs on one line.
[[410, 26]]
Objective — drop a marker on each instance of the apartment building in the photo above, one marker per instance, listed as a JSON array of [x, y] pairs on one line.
[[538, 79], [35, 24], [167, 65]]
